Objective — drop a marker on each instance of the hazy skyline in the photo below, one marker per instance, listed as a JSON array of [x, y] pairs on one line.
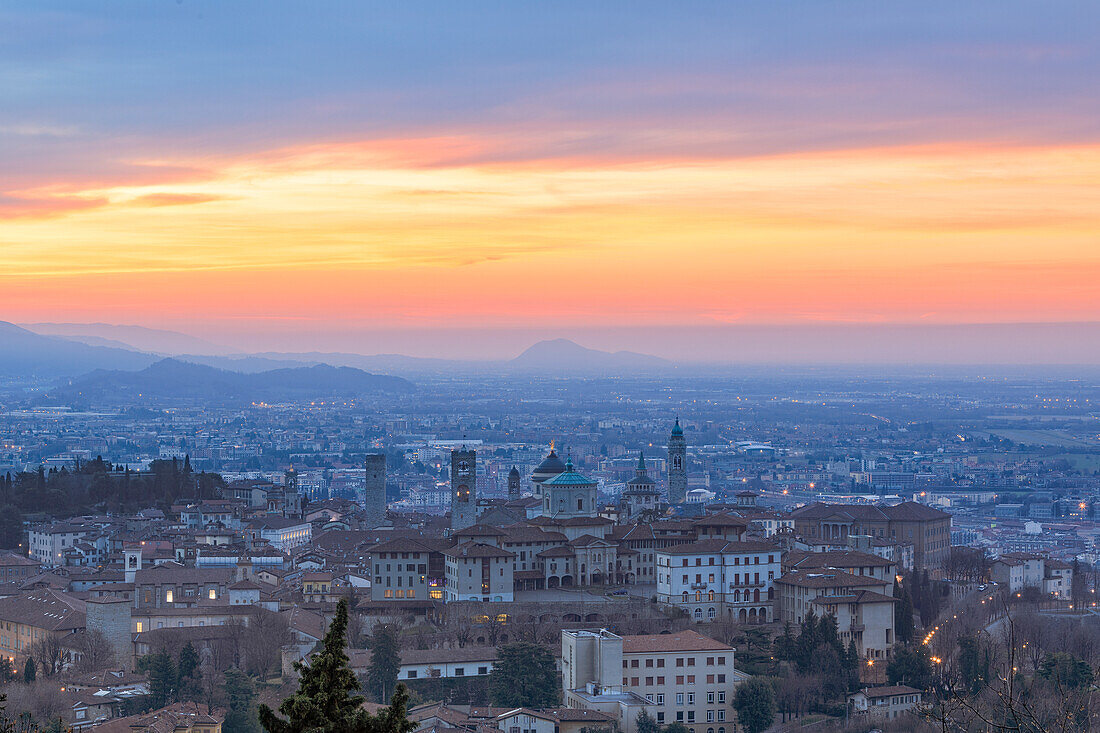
[[287, 178]]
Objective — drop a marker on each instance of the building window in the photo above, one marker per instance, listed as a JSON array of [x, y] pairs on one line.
[[168, 596], [213, 595], [412, 674], [679, 698], [460, 672], [691, 695]]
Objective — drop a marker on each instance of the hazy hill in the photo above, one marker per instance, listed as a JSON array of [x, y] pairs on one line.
[[24, 353], [175, 379], [567, 356], [139, 338]]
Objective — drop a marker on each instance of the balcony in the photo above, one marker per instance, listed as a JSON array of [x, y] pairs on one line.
[[698, 586]]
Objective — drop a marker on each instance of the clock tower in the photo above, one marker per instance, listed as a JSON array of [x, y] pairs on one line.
[[463, 489]]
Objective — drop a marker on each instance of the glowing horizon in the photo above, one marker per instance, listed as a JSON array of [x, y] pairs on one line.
[[593, 204]]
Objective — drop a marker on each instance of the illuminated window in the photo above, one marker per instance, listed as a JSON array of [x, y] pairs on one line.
[[213, 594], [410, 593], [140, 627], [168, 596], [389, 593], [436, 595]]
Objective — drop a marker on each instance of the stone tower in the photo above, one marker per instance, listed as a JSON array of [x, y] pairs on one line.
[[641, 493], [374, 490], [463, 489], [112, 617], [677, 465], [513, 483]]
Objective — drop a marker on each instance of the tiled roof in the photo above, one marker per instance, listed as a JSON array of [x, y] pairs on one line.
[[718, 545], [836, 559], [681, 641], [829, 578], [44, 609], [477, 549]]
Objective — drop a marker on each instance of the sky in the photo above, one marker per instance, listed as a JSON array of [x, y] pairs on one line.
[[455, 178]]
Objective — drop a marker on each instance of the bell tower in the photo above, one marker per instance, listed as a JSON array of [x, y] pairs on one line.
[[463, 488], [677, 465], [513, 483], [374, 490]]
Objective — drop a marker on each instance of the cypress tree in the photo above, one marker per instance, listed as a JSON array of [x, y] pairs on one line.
[[326, 701], [30, 670]]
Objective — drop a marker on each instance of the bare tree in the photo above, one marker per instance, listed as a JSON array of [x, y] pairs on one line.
[[96, 652], [42, 699], [262, 641], [49, 653]]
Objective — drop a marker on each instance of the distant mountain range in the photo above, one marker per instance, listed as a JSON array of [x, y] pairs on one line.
[[88, 347], [24, 353], [175, 379], [136, 338]]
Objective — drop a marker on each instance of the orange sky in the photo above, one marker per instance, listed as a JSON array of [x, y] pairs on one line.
[[395, 232], [227, 169]]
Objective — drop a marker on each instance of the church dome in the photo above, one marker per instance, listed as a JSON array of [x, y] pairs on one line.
[[513, 472], [551, 466], [676, 429], [569, 477]]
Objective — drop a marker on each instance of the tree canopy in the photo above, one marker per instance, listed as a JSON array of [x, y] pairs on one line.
[[755, 705], [326, 701], [524, 676]]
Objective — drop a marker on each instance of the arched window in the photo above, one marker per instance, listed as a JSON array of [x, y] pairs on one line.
[[699, 613], [710, 596], [685, 596], [698, 595], [710, 612]]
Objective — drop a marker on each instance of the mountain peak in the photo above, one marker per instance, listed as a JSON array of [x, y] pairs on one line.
[[562, 354]]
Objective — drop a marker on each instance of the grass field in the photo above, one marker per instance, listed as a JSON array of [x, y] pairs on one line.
[[1053, 438]]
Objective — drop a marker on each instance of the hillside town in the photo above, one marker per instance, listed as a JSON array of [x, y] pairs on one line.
[[659, 578]]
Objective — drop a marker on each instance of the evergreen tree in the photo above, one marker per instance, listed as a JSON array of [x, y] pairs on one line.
[[911, 666], [903, 614], [189, 673], [646, 724], [524, 676], [325, 701], [11, 527], [755, 704], [30, 670], [188, 660], [7, 670], [385, 662], [975, 662], [240, 697], [1067, 670], [163, 677]]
